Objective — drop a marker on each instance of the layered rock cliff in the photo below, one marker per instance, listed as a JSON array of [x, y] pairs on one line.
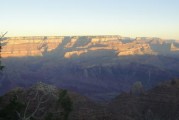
[[80, 45], [29, 46]]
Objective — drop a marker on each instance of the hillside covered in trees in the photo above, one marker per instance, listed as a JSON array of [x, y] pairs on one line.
[[46, 102]]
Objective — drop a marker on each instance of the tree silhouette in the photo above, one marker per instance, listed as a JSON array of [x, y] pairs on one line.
[[9, 111], [62, 109], [2, 44], [137, 88], [66, 104]]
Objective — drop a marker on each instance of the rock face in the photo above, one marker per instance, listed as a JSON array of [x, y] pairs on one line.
[[79, 45], [74, 53], [29, 46]]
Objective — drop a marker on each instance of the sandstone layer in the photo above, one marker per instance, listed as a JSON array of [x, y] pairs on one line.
[[80, 45]]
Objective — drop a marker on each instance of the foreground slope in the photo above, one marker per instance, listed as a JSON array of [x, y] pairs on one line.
[[46, 102], [160, 103]]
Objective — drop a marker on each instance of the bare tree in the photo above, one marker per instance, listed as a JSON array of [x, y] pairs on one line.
[[40, 102], [35, 104]]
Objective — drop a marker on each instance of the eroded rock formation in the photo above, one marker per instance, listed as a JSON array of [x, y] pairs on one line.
[[80, 45]]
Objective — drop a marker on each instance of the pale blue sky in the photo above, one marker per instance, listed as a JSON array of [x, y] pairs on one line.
[[133, 18]]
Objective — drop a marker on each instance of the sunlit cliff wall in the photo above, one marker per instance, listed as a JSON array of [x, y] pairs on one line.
[[29, 46], [80, 45]]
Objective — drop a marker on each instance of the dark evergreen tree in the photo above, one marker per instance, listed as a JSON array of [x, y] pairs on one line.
[[9, 111], [66, 104], [1, 44]]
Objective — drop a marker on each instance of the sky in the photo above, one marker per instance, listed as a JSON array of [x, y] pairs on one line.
[[129, 18]]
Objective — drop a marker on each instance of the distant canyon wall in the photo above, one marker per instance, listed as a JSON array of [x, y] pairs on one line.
[[29, 46], [80, 45]]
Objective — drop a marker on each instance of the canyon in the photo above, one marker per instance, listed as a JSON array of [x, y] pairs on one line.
[[100, 67]]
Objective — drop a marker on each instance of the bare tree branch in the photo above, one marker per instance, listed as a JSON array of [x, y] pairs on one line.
[[2, 36], [40, 97]]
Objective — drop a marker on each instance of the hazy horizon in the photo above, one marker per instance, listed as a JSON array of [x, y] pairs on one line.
[[129, 18], [90, 36]]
